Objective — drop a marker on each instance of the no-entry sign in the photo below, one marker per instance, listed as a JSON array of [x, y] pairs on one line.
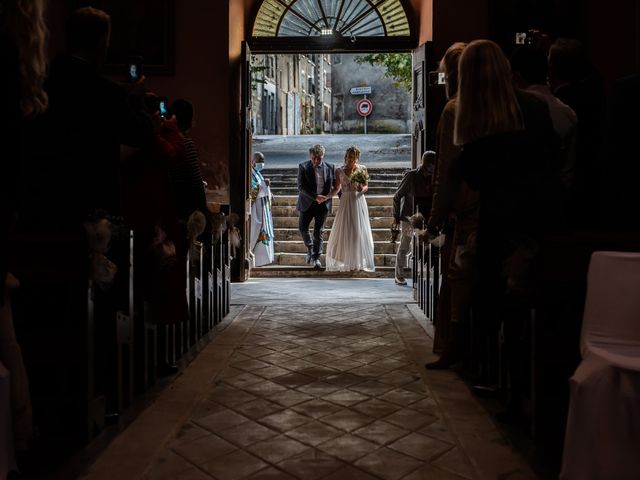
[[364, 107]]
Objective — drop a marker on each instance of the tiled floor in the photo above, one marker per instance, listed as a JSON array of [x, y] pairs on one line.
[[308, 392]]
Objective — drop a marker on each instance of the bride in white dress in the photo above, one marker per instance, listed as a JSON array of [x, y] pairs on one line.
[[350, 244]]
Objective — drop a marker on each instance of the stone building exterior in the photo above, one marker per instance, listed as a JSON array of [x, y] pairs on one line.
[[391, 111], [291, 94]]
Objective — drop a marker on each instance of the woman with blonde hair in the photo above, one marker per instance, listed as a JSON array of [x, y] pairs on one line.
[[454, 211], [23, 58], [508, 152]]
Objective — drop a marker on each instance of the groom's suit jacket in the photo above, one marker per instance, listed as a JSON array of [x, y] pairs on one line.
[[307, 185]]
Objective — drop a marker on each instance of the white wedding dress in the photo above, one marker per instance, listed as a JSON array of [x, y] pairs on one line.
[[350, 244]]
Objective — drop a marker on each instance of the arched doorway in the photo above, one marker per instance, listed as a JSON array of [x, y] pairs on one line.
[[326, 27]]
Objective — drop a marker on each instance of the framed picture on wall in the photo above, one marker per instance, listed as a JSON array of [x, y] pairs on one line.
[[143, 28]]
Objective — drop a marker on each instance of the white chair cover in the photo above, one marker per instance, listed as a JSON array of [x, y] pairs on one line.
[[602, 440], [7, 456]]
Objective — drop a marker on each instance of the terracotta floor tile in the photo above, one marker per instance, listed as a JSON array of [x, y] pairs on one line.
[[285, 420], [270, 473], [344, 379], [369, 372], [319, 389], [410, 419], [455, 461], [349, 447], [348, 419], [439, 430], [431, 472], [277, 358], [206, 407], [420, 446], [380, 432], [233, 466], [247, 433], [376, 408], [427, 405], [293, 379], [230, 396], [397, 378], [320, 358], [255, 351], [204, 449], [314, 433], [316, 408], [349, 473], [221, 420], [265, 388], [371, 387], [289, 398], [258, 408], [277, 449], [388, 464], [401, 396], [250, 365], [271, 371], [345, 397], [243, 380], [311, 465], [188, 433], [319, 372]]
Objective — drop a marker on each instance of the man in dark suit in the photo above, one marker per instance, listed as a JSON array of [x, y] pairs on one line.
[[316, 180]]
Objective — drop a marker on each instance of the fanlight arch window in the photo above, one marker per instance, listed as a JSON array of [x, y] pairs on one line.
[[347, 18]]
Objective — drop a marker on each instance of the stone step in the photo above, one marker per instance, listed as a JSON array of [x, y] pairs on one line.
[[288, 234], [279, 181], [296, 246], [307, 271], [279, 191], [372, 200], [298, 259], [290, 211], [292, 222]]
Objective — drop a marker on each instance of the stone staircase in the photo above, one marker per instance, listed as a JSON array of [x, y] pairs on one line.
[[291, 252]]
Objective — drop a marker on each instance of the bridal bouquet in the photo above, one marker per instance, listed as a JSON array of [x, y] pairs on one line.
[[360, 176]]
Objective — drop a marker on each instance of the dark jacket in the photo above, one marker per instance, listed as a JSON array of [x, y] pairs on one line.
[[307, 185], [414, 189], [75, 147]]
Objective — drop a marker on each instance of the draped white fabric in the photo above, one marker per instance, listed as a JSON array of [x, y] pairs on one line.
[[350, 244], [603, 428]]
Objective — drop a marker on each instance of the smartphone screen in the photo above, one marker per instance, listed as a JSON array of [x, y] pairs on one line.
[[134, 69], [164, 107]]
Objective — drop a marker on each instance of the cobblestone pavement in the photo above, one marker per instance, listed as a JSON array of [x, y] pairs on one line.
[[311, 392]]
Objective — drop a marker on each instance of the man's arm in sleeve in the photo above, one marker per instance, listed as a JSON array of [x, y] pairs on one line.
[[303, 185], [400, 193]]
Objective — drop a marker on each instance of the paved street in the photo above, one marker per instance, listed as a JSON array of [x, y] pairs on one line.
[[377, 150]]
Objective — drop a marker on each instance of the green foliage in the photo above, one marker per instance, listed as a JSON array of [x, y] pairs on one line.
[[398, 66]]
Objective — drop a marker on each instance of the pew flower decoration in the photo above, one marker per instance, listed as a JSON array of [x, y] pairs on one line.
[[360, 175], [234, 233], [99, 232], [163, 249], [196, 225], [218, 225]]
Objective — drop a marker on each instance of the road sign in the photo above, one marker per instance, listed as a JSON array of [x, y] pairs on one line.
[[364, 107], [361, 91]]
